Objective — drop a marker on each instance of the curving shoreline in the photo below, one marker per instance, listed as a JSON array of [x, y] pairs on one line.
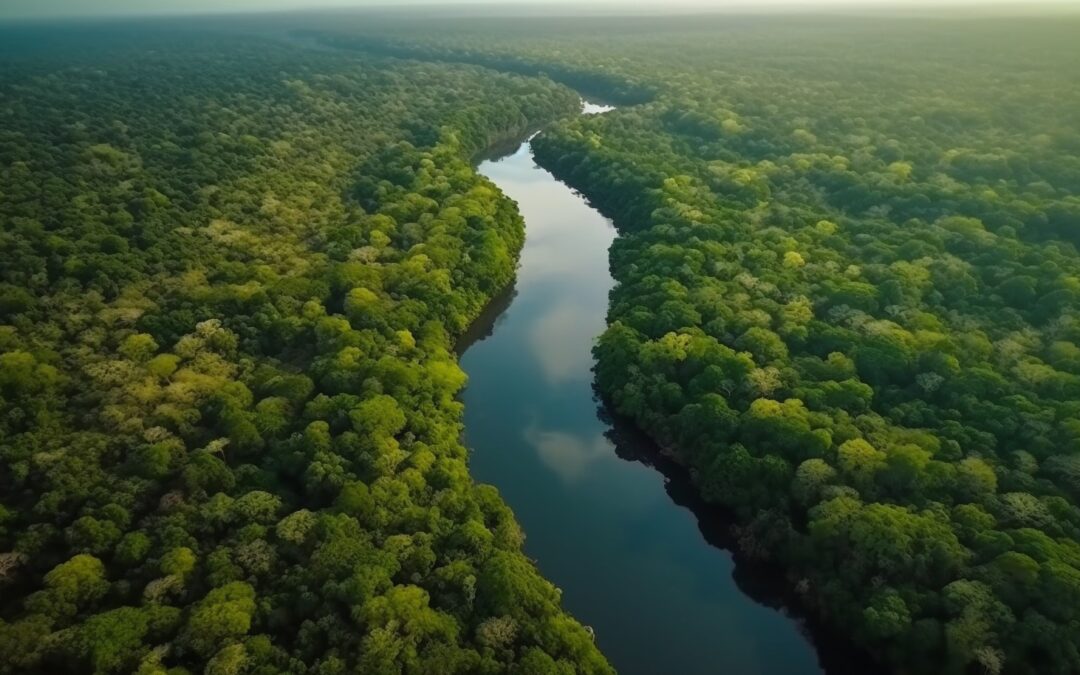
[[601, 522]]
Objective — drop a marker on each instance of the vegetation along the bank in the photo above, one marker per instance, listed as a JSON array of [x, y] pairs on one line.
[[849, 300], [232, 270], [231, 274]]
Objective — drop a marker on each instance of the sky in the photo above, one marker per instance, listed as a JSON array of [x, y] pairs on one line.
[[59, 8]]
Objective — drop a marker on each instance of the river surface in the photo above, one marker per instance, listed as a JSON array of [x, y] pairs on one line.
[[624, 541]]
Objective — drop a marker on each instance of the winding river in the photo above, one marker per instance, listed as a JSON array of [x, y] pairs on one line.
[[627, 544]]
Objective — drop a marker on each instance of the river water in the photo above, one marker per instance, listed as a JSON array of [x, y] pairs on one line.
[[620, 538]]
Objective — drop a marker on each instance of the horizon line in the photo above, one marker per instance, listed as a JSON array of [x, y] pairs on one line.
[[564, 8]]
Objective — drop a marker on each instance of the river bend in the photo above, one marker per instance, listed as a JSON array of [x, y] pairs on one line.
[[631, 562]]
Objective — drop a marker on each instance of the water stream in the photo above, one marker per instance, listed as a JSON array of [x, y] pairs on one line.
[[624, 541]]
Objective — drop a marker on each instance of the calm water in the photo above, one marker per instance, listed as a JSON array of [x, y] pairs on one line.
[[619, 538]]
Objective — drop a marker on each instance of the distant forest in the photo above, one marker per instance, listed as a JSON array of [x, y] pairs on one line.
[[234, 262]]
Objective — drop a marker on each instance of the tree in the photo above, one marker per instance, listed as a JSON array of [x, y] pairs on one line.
[[225, 613], [70, 587]]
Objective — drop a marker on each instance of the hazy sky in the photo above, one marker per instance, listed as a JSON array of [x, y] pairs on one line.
[[43, 8]]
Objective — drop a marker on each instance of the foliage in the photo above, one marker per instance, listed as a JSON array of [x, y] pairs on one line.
[[231, 274], [848, 291]]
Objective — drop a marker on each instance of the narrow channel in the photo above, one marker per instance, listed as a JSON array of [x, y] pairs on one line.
[[633, 561]]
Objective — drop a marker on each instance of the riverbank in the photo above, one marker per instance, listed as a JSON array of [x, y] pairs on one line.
[[631, 562]]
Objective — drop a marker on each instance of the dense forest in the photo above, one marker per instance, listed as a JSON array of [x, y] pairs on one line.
[[232, 271], [848, 300], [234, 264]]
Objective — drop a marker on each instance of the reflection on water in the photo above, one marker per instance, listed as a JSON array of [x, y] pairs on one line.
[[568, 455], [631, 560], [553, 336]]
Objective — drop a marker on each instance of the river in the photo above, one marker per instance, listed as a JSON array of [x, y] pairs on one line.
[[623, 541]]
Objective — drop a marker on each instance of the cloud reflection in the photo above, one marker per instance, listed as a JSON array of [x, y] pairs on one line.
[[560, 339], [569, 456]]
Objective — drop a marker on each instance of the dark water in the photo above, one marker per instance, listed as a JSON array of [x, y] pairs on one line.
[[626, 543]]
